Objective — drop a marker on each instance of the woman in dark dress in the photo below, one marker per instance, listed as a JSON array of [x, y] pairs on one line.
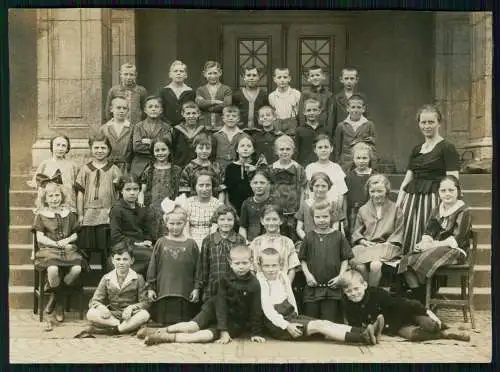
[[429, 162]]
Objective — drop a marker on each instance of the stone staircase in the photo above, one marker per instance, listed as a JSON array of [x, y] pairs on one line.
[[477, 193]]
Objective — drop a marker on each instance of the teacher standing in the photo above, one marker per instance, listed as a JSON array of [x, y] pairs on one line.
[[429, 162]]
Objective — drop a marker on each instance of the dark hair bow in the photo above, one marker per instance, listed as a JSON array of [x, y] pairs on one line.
[[42, 180]]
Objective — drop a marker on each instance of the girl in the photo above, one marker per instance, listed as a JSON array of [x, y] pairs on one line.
[[324, 256], [251, 209], [59, 147], [204, 150], [56, 229], [319, 186], [201, 207], [159, 180], [284, 322], [356, 179], [289, 182], [213, 96], [446, 237], [237, 173], [175, 94], [429, 162], [323, 148], [271, 219], [378, 230], [184, 133], [147, 131], [172, 270], [95, 185], [214, 264], [132, 223]]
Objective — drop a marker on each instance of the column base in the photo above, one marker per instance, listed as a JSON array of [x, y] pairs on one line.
[[482, 156], [79, 151]]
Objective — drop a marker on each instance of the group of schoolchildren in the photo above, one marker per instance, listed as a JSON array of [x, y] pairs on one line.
[[222, 214]]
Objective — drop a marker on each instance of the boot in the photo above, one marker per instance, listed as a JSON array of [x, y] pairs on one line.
[[59, 308], [378, 327], [159, 338], [450, 334]]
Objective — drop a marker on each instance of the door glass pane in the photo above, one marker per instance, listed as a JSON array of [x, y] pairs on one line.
[[315, 51], [254, 52]]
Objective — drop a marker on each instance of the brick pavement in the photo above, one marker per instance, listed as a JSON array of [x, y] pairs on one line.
[[30, 344]]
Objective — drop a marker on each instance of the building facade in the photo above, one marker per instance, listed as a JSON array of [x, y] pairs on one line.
[[63, 61]]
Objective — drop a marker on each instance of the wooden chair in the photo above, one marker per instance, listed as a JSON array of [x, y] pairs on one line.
[[40, 279], [466, 273]]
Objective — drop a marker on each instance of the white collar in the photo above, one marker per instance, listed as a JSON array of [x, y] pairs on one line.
[[355, 124], [113, 277], [51, 214], [277, 165], [446, 213], [238, 130]]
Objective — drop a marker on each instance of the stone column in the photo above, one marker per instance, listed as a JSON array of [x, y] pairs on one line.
[[123, 40], [480, 129], [73, 76], [452, 77]]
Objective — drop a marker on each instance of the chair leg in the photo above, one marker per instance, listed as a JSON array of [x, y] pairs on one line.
[[471, 301], [428, 286], [82, 298], [41, 292], [463, 293]]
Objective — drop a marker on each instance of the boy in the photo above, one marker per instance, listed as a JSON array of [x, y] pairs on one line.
[[355, 128], [406, 318], [118, 131], [250, 98], [306, 133], [120, 303], [184, 133], [280, 309], [265, 136], [316, 77], [134, 94], [234, 310], [285, 100], [227, 137], [349, 79]]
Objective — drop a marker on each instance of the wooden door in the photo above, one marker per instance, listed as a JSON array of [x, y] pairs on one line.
[[309, 45], [296, 46], [251, 44]]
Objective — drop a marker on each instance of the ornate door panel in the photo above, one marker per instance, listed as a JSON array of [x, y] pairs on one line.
[[245, 45], [315, 45]]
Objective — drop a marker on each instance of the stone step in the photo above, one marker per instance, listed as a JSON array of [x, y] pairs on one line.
[[22, 198], [20, 234], [19, 254], [482, 277], [481, 215], [473, 197], [468, 181], [483, 233], [23, 275], [21, 215], [18, 181], [21, 297]]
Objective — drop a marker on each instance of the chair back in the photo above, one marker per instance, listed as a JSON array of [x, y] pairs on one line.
[[36, 248]]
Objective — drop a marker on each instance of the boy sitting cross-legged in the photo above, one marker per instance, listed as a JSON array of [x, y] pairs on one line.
[[233, 310], [120, 303]]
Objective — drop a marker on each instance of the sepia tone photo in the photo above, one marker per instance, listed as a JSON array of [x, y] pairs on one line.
[[252, 186]]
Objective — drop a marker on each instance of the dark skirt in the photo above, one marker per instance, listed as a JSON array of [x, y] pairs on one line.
[[416, 211], [47, 256], [172, 310], [95, 239], [425, 263]]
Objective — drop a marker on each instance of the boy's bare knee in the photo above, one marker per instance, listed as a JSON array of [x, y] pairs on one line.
[[93, 315], [76, 270]]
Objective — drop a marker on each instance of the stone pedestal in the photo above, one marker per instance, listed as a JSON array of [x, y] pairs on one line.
[[480, 129], [73, 76]]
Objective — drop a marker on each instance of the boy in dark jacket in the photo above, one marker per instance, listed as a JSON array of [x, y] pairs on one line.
[[234, 310], [406, 318]]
